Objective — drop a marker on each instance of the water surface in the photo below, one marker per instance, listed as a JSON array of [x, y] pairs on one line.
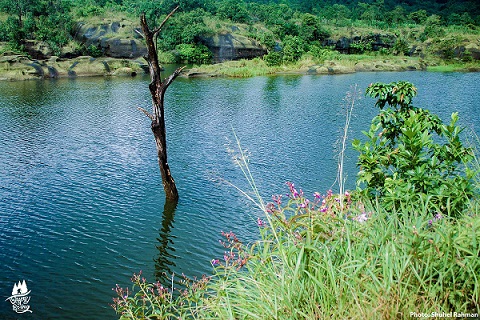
[[81, 202]]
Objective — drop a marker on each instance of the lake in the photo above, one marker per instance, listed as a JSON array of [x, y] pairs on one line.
[[81, 200]]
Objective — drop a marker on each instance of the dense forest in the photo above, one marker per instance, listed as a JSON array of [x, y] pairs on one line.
[[286, 28]]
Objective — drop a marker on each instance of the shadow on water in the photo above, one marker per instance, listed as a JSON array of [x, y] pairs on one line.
[[165, 260]]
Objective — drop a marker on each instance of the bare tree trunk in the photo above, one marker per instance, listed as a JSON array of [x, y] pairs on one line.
[[157, 89]]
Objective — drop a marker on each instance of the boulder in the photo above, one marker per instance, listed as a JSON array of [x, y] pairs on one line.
[[230, 46], [473, 50], [114, 39], [38, 49], [329, 67], [20, 67], [123, 48]]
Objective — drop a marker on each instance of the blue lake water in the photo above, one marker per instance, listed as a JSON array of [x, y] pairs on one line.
[[81, 201]]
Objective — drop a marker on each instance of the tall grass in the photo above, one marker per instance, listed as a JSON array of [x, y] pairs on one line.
[[349, 100], [315, 265], [237, 69], [315, 260]]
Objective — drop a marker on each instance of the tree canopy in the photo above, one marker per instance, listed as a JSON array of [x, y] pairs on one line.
[[297, 24]]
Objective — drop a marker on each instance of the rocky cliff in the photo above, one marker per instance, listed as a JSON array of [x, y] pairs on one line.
[[119, 39], [231, 46]]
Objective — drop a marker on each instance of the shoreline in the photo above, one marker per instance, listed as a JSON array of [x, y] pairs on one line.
[[344, 65], [20, 67]]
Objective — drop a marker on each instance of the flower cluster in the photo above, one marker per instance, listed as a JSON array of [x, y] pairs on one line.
[[328, 203], [437, 217], [193, 286], [148, 298], [300, 215], [236, 256], [261, 223], [154, 299]]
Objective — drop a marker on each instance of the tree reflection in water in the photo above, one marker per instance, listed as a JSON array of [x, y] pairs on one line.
[[166, 259]]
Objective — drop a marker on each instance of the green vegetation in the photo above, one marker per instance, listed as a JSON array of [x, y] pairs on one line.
[[49, 21], [411, 156], [289, 30], [316, 265], [352, 255]]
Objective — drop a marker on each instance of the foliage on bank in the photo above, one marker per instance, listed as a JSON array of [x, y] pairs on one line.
[[354, 255], [288, 30], [412, 156]]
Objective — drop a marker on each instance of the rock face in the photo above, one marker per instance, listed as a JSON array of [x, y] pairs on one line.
[[352, 44], [38, 49], [474, 50], [122, 40], [228, 46], [115, 39]]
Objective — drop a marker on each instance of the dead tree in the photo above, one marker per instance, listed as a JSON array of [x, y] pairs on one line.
[[157, 89]]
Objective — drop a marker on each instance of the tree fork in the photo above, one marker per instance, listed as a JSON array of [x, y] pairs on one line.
[[157, 90]]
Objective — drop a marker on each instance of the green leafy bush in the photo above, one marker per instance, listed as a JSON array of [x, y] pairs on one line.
[[94, 51], [401, 47], [190, 53], [273, 58], [311, 29], [233, 10], [360, 47], [293, 48], [411, 157], [434, 28], [184, 28]]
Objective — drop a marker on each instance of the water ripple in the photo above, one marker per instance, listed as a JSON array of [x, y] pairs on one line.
[[81, 201]]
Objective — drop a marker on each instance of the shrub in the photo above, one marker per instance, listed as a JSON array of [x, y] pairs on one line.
[[191, 53], [321, 53], [293, 48], [236, 11], [311, 29], [433, 28], [184, 28], [360, 47], [268, 40], [94, 51], [167, 57], [401, 47], [273, 58], [411, 157]]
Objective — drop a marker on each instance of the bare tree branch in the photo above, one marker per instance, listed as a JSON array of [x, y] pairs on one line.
[[157, 30], [146, 113], [141, 34], [172, 77]]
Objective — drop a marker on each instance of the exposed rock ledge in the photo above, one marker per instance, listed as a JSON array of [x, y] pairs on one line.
[[20, 67], [328, 67], [121, 39], [231, 46], [331, 67], [118, 39]]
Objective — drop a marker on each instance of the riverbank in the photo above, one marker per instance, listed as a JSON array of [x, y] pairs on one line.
[[17, 67], [341, 64]]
